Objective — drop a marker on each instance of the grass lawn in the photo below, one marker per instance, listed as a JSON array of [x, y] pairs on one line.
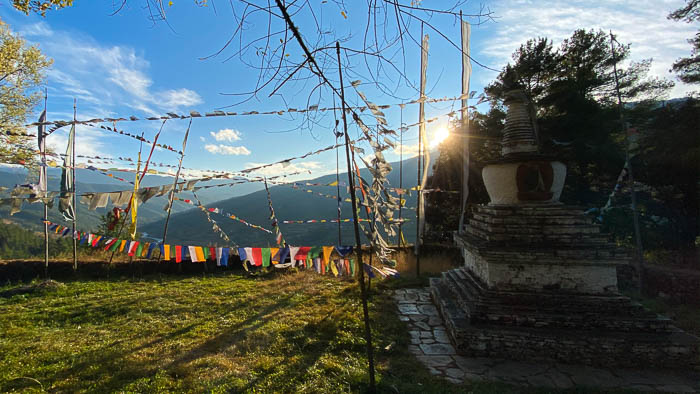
[[287, 332]]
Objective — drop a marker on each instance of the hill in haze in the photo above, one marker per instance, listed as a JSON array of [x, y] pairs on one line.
[[87, 182], [191, 227]]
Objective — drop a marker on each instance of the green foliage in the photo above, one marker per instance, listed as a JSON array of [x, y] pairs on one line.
[[18, 243], [22, 71], [106, 227], [688, 68], [573, 89], [39, 6]]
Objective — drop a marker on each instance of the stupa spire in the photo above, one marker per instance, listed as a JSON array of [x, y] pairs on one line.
[[519, 134]]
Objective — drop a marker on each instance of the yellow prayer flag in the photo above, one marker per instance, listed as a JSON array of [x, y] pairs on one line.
[[166, 252], [134, 200], [335, 183], [200, 253], [334, 269], [121, 247], [327, 250], [273, 252]]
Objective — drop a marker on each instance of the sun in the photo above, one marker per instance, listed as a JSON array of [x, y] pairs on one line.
[[440, 135]]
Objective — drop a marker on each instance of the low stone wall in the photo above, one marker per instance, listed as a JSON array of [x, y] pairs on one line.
[[434, 260], [679, 285]]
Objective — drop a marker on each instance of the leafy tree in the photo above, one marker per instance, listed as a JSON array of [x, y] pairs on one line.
[[573, 89], [668, 164], [19, 243], [39, 6], [110, 225], [22, 70], [688, 68]]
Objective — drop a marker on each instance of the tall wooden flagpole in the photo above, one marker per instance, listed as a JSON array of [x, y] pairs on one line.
[[358, 242], [639, 258], [172, 192], [466, 75], [42, 170], [421, 150], [75, 207]]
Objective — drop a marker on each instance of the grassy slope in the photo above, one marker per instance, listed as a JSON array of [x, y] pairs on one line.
[[291, 332]]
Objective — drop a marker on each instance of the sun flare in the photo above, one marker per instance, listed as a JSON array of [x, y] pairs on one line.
[[440, 135]]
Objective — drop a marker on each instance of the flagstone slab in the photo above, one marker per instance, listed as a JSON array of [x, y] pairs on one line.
[[437, 348], [441, 336], [408, 309], [472, 364], [418, 317], [435, 321], [454, 373], [436, 361], [422, 325], [473, 377], [429, 310]]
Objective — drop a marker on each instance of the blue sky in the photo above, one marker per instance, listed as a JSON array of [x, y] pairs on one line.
[[123, 64]]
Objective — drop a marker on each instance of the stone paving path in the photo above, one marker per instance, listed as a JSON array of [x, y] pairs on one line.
[[431, 345]]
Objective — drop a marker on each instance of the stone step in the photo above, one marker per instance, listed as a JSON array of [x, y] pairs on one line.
[[479, 307], [530, 210], [600, 347], [535, 228], [550, 239], [530, 219], [567, 319], [559, 255]]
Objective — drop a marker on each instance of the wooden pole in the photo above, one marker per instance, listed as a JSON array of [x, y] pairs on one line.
[[46, 207], [172, 192], [358, 242], [466, 75], [421, 125], [75, 207], [400, 176], [337, 175], [639, 258]]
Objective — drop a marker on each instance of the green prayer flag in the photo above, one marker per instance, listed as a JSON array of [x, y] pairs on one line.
[[265, 257], [115, 245], [315, 252], [205, 250], [139, 250], [352, 267]]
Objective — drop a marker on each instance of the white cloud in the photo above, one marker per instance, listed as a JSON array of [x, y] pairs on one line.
[[227, 149], [202, 138], [104, 76], [408, 150], [226, 135], [39, 29], [642, 23], [87, 141], [180, 98]]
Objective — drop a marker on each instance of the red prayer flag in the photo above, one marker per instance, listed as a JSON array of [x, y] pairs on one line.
[[132, 247], [301, 254], [109, 244], [212, 253], [178, 253], [257, 256]]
